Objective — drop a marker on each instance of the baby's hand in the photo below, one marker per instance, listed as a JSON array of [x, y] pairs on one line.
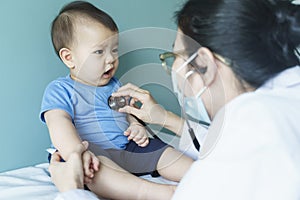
[[90, 166], [138, 134]]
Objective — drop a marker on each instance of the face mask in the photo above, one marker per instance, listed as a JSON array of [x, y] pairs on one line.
[[193, 106]]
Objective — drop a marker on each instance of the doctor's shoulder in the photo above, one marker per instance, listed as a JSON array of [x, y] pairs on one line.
[[260, 116], [259, 105], [269, 116], [247, 124], [237, 125]]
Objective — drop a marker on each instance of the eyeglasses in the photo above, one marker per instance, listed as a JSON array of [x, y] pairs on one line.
[[168, 58]]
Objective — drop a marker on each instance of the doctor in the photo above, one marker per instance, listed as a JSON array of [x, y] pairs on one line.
[[237, 62], [236, 67]]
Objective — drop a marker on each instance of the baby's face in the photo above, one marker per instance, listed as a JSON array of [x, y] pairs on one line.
[[94, 54]]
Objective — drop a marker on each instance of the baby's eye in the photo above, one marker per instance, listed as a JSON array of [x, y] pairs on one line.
[[99, 52], [115, 50]]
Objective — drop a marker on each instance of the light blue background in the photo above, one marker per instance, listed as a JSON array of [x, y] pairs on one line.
[[28, 64]]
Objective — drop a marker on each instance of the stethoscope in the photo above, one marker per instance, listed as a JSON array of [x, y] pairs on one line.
[[115, 103], [203, 123]]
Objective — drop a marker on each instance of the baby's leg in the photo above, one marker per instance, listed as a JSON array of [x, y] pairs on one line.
[[113, 182], [173, 164]]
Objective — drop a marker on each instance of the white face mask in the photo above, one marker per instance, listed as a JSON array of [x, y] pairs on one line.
[[193, 106]]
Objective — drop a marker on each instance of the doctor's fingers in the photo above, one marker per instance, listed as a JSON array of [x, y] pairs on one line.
[[80, 148], [95, 162], [88, 164], [76, 156], [138, 112], [134, 92]]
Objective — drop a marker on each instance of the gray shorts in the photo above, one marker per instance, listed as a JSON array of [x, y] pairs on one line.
[[134, 159]]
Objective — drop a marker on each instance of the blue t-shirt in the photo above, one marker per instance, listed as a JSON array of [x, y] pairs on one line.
[[87, 105]]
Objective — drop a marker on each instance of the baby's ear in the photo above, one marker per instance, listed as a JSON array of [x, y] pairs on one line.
[[65, 55], [207, 65]]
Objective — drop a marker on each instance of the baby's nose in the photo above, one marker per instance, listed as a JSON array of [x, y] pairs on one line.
[[109, 58]]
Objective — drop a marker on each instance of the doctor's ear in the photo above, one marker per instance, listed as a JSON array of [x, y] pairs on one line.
[[65, 55], [206, 65]]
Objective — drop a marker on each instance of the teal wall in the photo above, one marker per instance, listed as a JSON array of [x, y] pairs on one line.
[[28, 64]]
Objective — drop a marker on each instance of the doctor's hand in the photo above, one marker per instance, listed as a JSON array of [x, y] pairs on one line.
[[149, 112], [90, 165], [68, 175]]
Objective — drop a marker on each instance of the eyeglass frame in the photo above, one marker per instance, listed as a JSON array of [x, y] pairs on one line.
[[169, 54]]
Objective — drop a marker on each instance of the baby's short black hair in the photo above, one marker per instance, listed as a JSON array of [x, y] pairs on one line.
[[63, 26]]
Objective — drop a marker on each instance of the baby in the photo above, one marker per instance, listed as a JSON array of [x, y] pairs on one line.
[[75, 108]]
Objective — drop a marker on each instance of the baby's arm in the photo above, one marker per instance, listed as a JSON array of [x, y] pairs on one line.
[[65, 138], [62, 132], [136, 132]]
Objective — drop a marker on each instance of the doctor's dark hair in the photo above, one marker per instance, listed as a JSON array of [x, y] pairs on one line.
[[260, 36], [64, 25]]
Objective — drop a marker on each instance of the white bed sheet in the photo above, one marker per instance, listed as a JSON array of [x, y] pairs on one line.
[[34, 182], [28, 183]]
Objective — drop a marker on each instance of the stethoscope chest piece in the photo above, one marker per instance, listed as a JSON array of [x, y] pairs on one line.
[[115, 103]]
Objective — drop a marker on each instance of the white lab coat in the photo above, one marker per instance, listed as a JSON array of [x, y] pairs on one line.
[[252, 149]]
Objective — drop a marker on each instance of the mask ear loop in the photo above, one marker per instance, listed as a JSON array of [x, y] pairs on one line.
[[187, 61]]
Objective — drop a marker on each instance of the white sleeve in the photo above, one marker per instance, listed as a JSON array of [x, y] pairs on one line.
[[186, 144], [77, 194]]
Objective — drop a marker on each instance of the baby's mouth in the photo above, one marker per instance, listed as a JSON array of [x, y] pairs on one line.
[[108, 72]]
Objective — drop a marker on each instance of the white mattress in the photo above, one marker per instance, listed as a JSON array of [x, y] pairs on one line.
[[34, 182], [27, 183], [30, 183]]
